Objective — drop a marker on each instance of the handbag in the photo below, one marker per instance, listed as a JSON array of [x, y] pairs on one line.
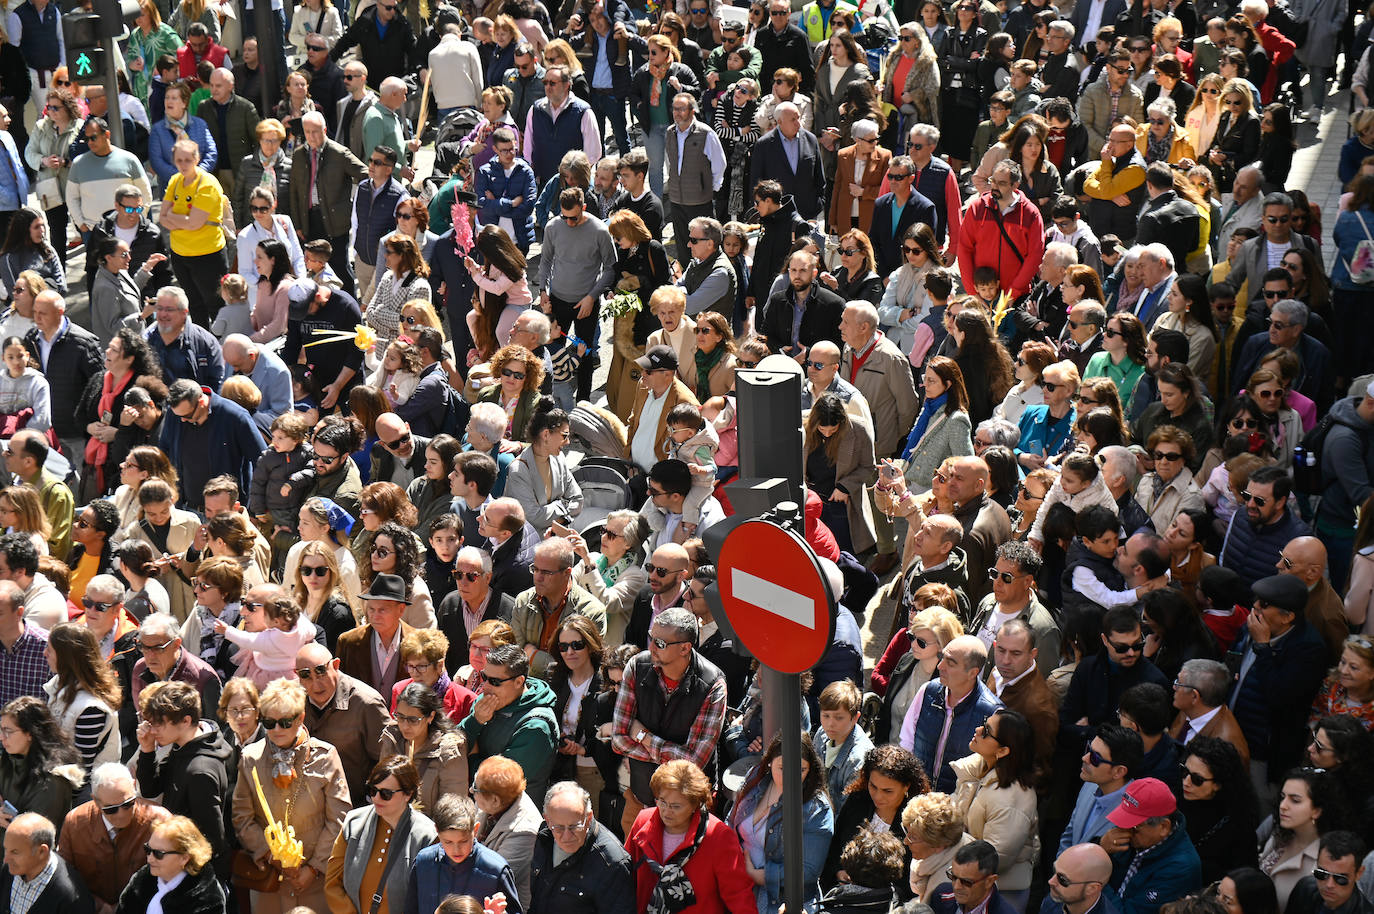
[[245, 873], [49, 193], [1361, 265]]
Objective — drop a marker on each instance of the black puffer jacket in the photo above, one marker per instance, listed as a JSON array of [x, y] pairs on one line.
[[198, 894], [75, 356], [777, 232]]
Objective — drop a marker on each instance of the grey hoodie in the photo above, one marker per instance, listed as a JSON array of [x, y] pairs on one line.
[[1348, 464]]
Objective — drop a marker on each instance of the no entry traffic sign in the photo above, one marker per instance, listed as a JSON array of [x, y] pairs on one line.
[[776, 596]]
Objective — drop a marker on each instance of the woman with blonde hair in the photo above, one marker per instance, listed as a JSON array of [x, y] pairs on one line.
[[641, 267], [934, 827], [268, 166], [320, 589], [21, 511], [676, 330], [786, 88], [324, 521], [1237, 139], [303, 786], [917, 100], [190, 11], [177, 875], [495, 105], [148, 40], [192, 212], [558, 53], [930, 627]]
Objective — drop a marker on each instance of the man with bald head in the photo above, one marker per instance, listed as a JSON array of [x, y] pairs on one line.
[[791, 155], [1246, 209], [384, 125], [1305, 559], [36, 880], [232, 120], [399, 454], [1116, 188], [510, 540], [670, 574], [343, 711], [266, 370], [933, 556], [1080, 874], [985, 522], [823, 377], [321, 196], [942, 717]]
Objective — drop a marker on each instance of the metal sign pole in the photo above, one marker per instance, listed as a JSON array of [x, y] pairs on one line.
[[269, 52], [112, 93]]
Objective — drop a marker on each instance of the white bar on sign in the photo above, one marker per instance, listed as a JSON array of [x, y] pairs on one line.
[[772, 598]]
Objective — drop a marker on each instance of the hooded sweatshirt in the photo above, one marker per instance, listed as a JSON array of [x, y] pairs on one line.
[[196, 781], [1347, 466], [526, 730]]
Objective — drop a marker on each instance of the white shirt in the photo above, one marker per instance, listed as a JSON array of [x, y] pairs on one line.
[[642, 447], [715, 154], [988, 633], [457, 73], [385, 653], [1197, 723], [999, 685]]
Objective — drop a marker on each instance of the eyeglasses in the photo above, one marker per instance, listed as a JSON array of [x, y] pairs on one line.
[[497, 680], [412, 719], [1259, 501], [1006, 576], [413, 668], [249, 711], [148, 849], [664, 645], [278, 723], [119, 807], [544, 572], [306, 673], [985, 732], [966, 883], [386, 793], [93, 606], [1167, 456], [1190, 775], [1322, 875], [574, 829], [512, 374], [1276, 220], [1134, 647], [578, 645]]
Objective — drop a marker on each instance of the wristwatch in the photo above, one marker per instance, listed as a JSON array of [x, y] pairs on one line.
[[639, 737]]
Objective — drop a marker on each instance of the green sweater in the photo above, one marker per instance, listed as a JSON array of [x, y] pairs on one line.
[[525, 731]]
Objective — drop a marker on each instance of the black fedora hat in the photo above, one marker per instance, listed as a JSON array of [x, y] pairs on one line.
[[387, 587]]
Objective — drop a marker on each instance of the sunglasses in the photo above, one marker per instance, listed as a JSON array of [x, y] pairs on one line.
[[1322, 875], [1210, 91], [1189, 775], [497, 680], [1276, 220], [277, 723], [132, 210], [1275, 293], [1168, 456], [664, 645], [307, 673], [818, 366], [260, 209], [909, 249], [386, 793], [1133, 648], [1097, 759], [93, 606], [512, 374], [380, 552], [469, 576], [1065, 881], [1006, 576], [1023, 492], [657, 570], [119, 807], [966, 883], [314, 571], [413, 720], [1259, 501], [1244, 423], [921, 642], [149, 850], [1050, 386], [848, 252], [1279, 325], [578, 645]]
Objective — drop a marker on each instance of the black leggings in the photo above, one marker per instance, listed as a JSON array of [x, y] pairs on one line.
[[199, 276]]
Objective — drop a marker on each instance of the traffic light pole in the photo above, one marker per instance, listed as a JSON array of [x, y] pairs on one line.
[[114, 116]]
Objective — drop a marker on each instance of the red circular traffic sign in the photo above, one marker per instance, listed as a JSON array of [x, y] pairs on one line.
[[776, 596]]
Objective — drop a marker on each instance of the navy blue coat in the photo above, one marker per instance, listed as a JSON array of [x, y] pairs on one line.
[[1094, 691], [240, 445], [942, 902], [1272, 701], [376, 216], [1251, 553], [1166, 872], [806, 185], [887, 243], [433, 877], [491, 178]]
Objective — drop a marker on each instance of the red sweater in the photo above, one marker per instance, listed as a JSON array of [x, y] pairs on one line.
[[716, 869], [981, 243]]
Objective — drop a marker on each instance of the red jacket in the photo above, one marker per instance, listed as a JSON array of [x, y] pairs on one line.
[[186, 59], [981, 243], [1280, 50], [716, 869]]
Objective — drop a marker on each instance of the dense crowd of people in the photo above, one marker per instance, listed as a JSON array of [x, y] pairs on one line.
[[363, 586]]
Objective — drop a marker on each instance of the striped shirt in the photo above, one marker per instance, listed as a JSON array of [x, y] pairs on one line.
[[24, 892]]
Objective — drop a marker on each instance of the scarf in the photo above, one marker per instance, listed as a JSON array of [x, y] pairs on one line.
[[284, 761], [1157, 150], [97, 450], [928, 410], [910, 292], [705, 363], [656, 78], [610, 574], [674, 892]]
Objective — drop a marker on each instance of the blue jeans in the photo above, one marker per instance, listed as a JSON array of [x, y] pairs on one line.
[[655, 143], [608, 105]]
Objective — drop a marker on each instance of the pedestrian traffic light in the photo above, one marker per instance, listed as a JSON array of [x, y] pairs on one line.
[[84, 36]]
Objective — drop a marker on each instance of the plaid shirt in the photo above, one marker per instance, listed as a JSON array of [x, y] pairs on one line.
[[701, 739], [23, 668], [24, 893]]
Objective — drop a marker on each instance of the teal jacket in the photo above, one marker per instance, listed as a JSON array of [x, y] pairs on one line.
[[526, 731]]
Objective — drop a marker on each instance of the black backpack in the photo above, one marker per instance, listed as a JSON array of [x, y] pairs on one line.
[[1308, 478]]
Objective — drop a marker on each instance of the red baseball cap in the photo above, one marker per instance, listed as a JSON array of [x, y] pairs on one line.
[[1145, 798]]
